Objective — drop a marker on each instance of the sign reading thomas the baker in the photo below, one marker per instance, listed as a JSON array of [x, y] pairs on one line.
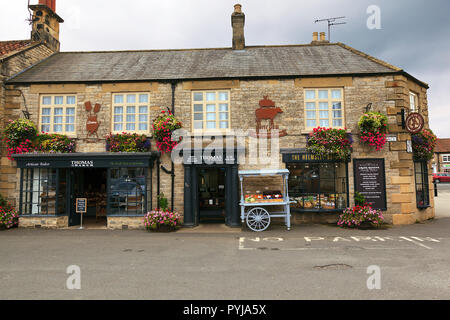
[[370, 181]]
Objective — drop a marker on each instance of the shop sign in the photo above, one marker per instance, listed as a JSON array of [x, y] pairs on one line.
[[409, 147], [209, 159], [81, 205], [370, 181], [267, 112], [305, 157], [37, 164], [92, 123], [415, 123], [82, 164], [391, 138]]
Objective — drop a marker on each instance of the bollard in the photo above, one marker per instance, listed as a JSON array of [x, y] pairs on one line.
[[435, 188]]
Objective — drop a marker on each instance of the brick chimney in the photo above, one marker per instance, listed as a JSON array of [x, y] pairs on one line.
[[46, 23], [238, 23]]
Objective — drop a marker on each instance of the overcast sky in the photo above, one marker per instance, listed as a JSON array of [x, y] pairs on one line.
[[414, 34]]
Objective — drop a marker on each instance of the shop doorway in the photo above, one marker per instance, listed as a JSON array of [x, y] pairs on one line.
[[90, 184], [211, 195]]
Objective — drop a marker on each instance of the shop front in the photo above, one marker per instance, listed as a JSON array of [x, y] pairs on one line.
[[211, 193], [115, 185], [316, 184]]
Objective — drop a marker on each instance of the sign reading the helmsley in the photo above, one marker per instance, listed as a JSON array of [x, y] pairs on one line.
[[370, 181]]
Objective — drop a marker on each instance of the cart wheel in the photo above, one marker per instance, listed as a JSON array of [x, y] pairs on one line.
[[258, 219]]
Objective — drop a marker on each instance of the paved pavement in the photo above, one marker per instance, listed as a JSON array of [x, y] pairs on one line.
[[309, 262]]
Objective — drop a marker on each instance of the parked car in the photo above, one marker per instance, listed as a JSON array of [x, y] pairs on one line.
[[441, 177]]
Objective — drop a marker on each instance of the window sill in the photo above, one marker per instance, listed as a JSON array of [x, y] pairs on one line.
[[308, 131]]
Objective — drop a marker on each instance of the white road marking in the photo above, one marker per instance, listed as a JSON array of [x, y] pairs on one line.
[[417, 243]]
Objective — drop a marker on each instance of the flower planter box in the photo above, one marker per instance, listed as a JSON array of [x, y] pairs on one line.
[[163, 229]]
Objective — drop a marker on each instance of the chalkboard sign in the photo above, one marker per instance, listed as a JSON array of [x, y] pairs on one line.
[[81, 205], [370, 181]]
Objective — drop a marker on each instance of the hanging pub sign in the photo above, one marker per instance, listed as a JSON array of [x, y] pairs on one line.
[[370, 181], [267, 113], [414, 123]]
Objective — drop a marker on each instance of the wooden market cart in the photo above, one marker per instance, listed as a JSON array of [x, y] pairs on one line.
[[255, 211]]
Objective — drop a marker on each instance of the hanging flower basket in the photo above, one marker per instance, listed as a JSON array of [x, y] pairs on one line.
[[54, 143], [127, 142], [328, 142], [163, 127], [423, 144], [372, 128]]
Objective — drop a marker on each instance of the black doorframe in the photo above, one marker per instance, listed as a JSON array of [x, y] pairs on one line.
[[191, 204]]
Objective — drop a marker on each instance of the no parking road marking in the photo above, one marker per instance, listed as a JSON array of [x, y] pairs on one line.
[[305, 243]]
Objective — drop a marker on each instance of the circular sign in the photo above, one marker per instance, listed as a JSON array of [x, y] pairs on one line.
[[415, 122]]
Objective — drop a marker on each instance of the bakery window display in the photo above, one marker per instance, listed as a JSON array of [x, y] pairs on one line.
[[318, 187]]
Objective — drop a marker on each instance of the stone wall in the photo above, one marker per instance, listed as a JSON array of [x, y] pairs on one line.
[[386, 93], [44, 222], [11, 104], [24, 59]]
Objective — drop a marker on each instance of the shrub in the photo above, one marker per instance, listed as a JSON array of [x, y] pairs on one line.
[[360, 200], [161, 220], [163, 126], [127, 142], [354, 217], [423, 144], [372, 127], [330, 142], [9, 218], [55, 143]]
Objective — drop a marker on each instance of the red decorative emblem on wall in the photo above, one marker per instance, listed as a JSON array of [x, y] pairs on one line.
[[92, 123], [267, 112], [415, 123]]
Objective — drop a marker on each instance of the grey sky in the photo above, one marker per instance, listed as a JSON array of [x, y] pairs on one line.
[[415, 34]]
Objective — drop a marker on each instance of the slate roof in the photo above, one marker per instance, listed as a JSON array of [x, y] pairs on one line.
[[221, 63], [8, 47], [442, 146]]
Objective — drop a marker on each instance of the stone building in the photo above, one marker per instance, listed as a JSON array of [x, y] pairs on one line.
[[215, 92], [442, 156], [15, 57]]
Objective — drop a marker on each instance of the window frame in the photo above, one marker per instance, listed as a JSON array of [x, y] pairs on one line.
[[52, 106], [416, 101], [317, 100], [217, 112], [124, 114], [424, 184], [444, 157]]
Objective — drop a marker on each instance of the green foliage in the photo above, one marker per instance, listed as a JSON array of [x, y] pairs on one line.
[[19, 131], [423, 144], [360, 200], [127, 142], [55, 143], [163, 202], [373, 122], [330, 142]]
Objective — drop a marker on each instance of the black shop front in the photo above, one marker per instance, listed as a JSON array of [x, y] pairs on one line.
[[211, 193], [117, 185]]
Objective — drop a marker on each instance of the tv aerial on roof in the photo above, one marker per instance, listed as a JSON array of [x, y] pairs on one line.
[[331, 22]]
